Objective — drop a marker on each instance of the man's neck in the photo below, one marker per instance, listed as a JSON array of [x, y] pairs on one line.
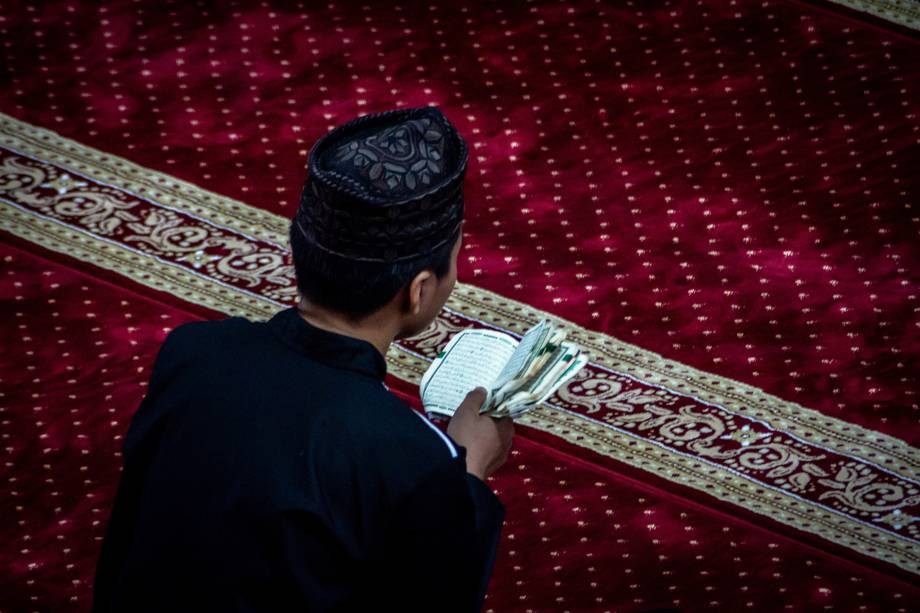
[[376, 329]]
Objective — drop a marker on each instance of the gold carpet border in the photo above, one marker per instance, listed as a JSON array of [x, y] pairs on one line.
[[723, 484], [648, 367], [902, 12], [125, 175], [137, 266], [809, 425]]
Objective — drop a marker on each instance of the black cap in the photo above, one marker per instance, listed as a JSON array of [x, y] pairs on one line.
[[385, 187]]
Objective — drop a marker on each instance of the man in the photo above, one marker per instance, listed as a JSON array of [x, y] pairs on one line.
[[269, 468]]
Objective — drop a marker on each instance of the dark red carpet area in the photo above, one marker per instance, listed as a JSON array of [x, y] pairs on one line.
[[731, 185], [76, 359], [728, 184]]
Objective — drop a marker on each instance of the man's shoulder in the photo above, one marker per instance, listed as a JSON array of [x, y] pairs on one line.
[[209, 327], [207, 332], [404, 434]]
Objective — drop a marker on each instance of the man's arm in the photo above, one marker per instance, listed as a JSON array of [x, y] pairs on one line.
[[116, 540], [441, 546], [490, 514]]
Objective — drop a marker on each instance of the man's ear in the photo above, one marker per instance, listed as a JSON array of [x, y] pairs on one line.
[[419, 291]]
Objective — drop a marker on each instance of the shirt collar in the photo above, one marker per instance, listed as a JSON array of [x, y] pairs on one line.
[[330, 348]]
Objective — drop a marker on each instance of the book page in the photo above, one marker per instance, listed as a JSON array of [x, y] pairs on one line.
[[577, 364], [471, 358], [520, 356], [559, 359]]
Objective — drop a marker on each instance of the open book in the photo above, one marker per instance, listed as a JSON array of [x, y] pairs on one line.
[[517, 375]]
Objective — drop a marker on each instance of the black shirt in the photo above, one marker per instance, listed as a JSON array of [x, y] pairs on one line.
[[269, 469]]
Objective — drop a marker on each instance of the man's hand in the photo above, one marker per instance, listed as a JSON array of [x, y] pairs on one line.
[[487, 439]]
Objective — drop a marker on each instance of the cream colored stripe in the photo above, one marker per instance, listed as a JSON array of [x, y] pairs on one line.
[[807, 424], [137, 266]]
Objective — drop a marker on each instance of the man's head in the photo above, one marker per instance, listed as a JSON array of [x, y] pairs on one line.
[[379, 222]]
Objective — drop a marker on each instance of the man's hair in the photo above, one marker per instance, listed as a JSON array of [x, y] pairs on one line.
[[358, 288]]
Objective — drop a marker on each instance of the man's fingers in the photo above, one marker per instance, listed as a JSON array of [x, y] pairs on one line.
[[505, 425], [474, 399], [477, 392]]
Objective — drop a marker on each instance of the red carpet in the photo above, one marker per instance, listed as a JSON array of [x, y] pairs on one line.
[[730, 186]]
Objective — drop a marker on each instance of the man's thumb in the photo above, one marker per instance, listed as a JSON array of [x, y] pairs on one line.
[[474, 399]]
